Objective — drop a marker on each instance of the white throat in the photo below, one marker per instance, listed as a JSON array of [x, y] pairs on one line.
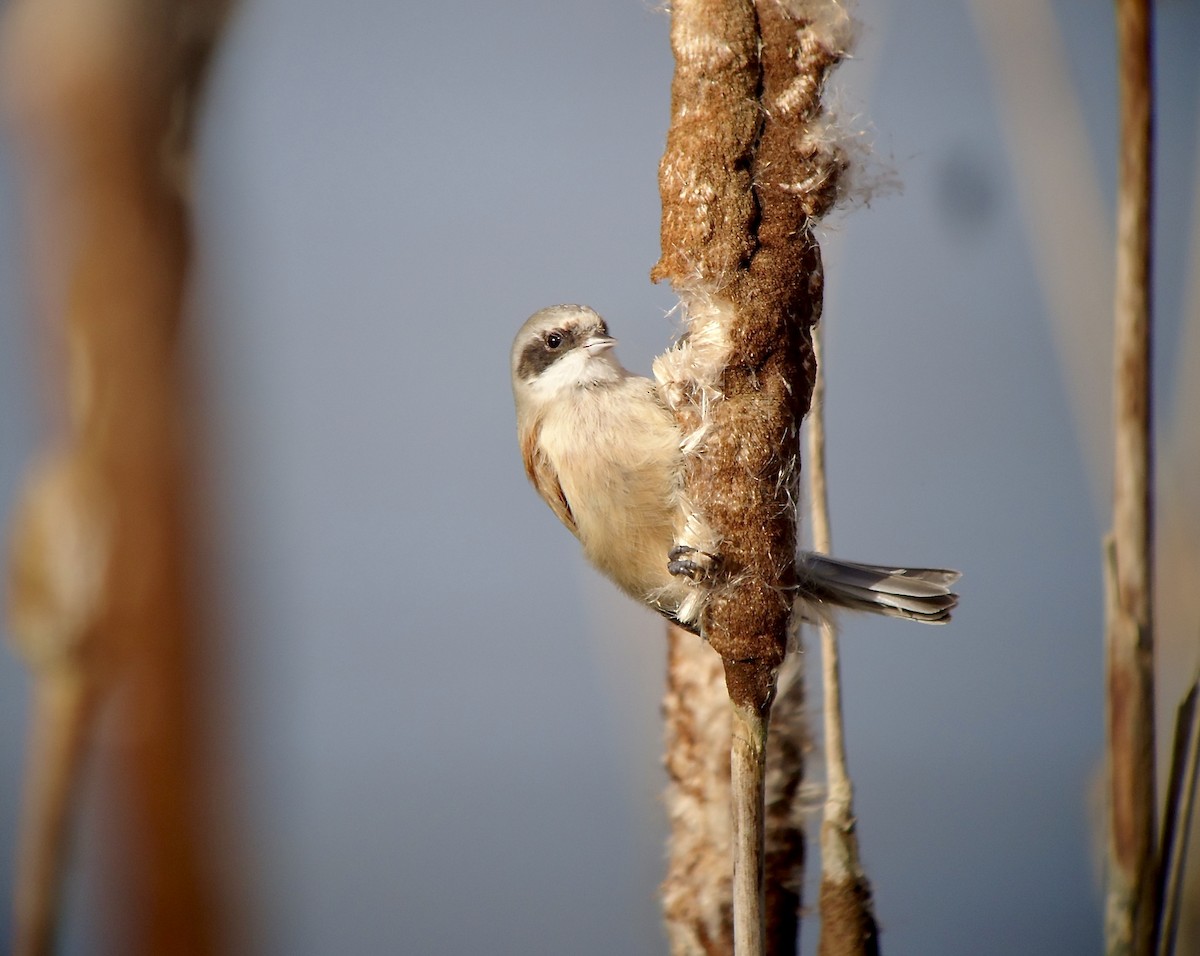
[[580, 368]]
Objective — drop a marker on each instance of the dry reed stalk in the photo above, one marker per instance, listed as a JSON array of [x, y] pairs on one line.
[[1129, 651], [101, 98], [748, 169], [1178, 809], [848, 926]]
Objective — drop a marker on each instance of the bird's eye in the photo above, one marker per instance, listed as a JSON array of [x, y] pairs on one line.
[[554, 340]]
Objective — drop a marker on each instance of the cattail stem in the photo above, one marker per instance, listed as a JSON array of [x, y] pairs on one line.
[[709, 211], [747, 768], [748, 168]]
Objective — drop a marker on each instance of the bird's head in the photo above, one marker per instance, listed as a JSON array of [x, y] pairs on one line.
[[558, 350]]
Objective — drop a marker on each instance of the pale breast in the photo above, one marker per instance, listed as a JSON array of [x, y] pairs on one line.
[[616, 452]]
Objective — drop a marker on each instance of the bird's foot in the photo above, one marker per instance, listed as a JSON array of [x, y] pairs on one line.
[[685, 561]]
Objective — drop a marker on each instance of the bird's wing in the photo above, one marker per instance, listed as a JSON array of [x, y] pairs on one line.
[[545, 479]]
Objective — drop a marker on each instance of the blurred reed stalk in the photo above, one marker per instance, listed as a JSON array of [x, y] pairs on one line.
[[697, 891], [1178, 809], [1129, 644], [748, 169], [101, 99], [697, 894], [848, 926], [788, 804]]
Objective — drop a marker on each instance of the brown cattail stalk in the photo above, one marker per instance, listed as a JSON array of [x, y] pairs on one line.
[[1131, 869], [848, 925], [101, 98], [748, 169]]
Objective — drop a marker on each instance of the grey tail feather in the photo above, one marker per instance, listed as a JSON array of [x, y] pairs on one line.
[[918, 594]]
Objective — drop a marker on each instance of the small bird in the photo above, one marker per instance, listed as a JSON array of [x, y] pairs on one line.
[[605, 453]]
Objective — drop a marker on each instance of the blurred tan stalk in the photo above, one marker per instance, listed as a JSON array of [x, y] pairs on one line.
[[101, 99], [1063, 202], [1178, 809], [1131, 871]]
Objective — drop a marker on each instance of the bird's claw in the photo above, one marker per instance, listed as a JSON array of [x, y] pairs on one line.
[[685, 561]]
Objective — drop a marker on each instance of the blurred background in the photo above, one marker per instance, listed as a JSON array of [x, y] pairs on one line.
[[437, 730]]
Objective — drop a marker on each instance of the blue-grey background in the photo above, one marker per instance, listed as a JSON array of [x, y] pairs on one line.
[[438, 729]]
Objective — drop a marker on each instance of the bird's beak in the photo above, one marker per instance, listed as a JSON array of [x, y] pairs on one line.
[[598, 344]]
